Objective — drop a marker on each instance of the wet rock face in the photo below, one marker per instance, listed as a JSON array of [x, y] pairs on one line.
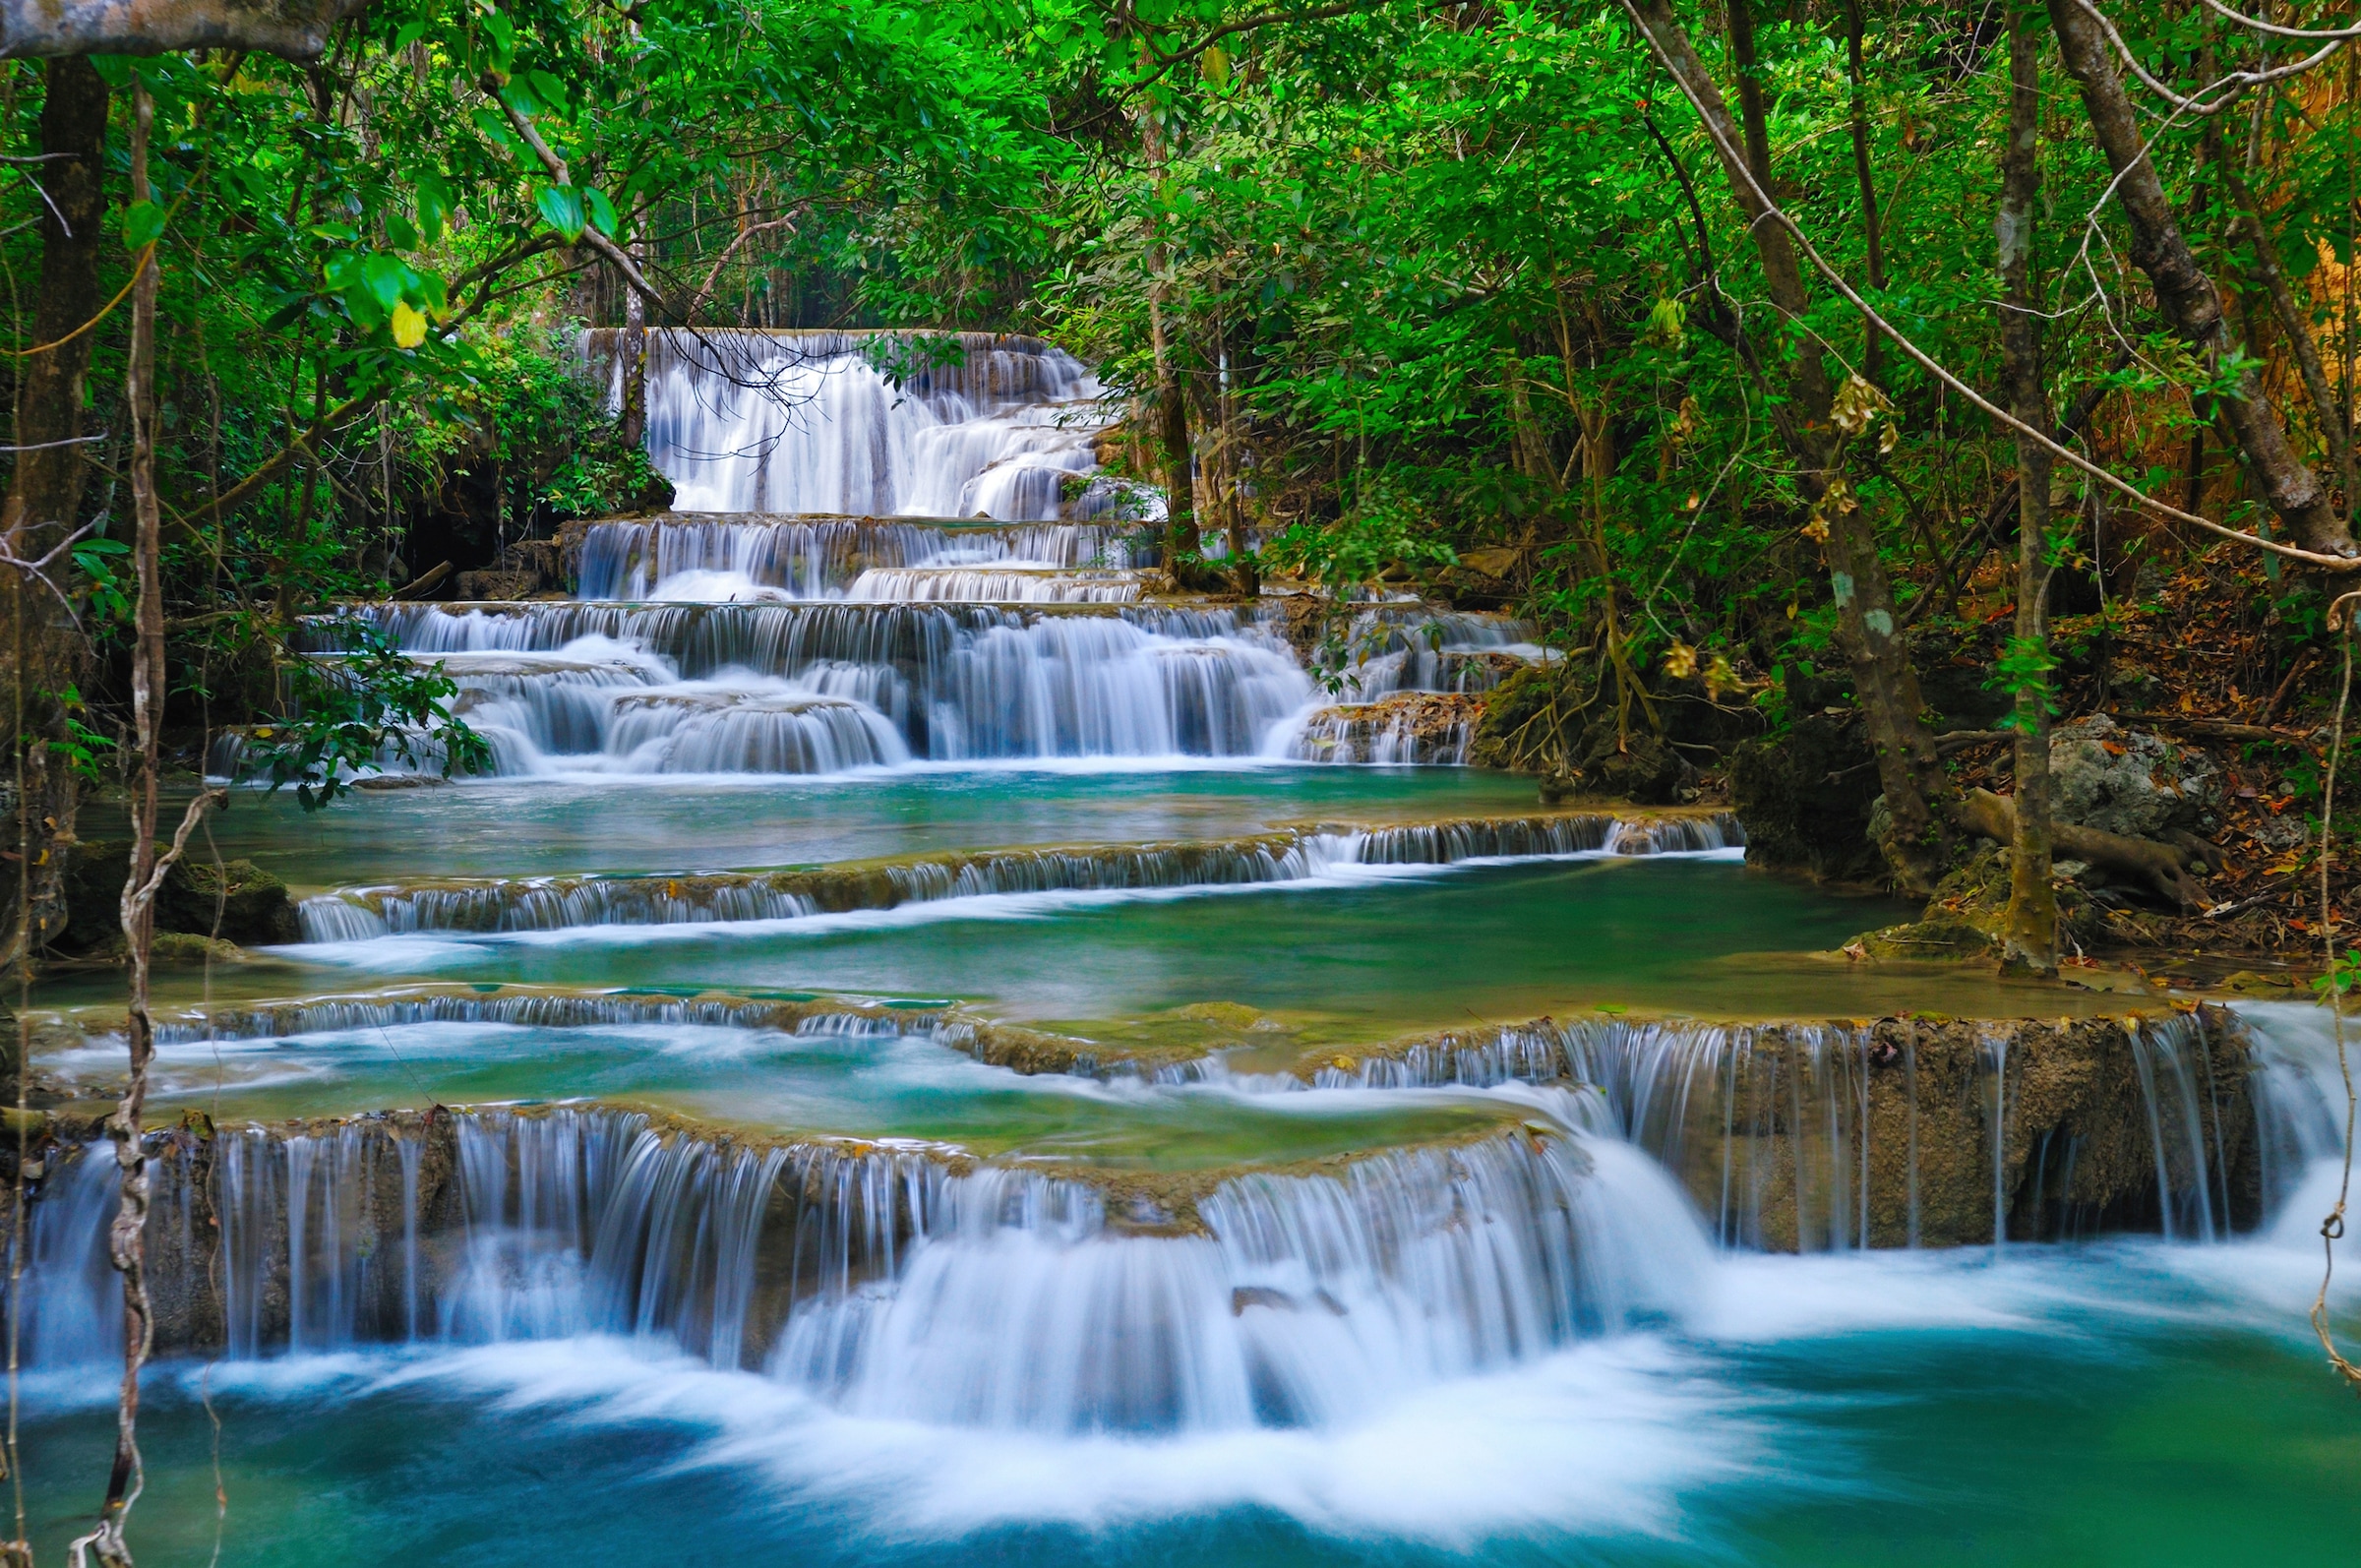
[[1805, 799], [235, 901], [1638, 766], [2130, 781], [1915, 1131]]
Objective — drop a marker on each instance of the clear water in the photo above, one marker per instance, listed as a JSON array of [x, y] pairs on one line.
[[525, 828], [2120, 1405]]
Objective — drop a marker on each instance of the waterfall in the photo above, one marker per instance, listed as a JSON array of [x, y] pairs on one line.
[[956, 425], [1431, 730], [1819, 1136], [683, 557], [552, 903], [822, 688], [73, 1296], [909, 1283], [525, 1007]]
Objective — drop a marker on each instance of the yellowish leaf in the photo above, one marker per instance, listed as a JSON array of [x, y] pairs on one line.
[[409, 326]]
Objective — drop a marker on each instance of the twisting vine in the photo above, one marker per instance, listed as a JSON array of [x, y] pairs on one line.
[[2332, 1228]]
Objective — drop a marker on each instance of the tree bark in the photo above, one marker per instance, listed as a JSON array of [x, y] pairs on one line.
[[44, 492], [2186, 294], [1183, 546], [1920, 798], [631, 352], [2029, 933], [295, 30], [1865, 176], [2296, 323]]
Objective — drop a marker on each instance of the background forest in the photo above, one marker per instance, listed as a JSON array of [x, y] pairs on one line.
[[1567, 309]]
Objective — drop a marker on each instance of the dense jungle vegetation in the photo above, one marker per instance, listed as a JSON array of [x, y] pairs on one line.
[[1865, 384]]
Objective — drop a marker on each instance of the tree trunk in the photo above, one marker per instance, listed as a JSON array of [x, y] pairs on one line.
[[2186, 295], [297, 30], [1182, 544], [1920, 798], [1872, 237], [1183, 547], [2029, 939], [630, 353], [2295, 320], [44, 494]]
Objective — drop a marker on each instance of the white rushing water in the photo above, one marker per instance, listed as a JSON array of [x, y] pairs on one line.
[[956, 425], [736, 687]]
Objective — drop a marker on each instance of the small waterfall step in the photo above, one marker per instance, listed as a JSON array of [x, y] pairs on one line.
[[825, 688], [677, 556], [1287, 855], [1807, 1135], [834, 1264], [1902, 1131]]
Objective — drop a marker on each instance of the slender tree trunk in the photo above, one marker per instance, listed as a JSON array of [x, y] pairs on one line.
[[2186, 295], [2295, 320], [631, 352], [2030, 940], [44, 494], [1864, 175], [1920, 798], [1181, 543]]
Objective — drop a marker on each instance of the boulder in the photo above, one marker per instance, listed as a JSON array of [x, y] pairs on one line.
[[2130, 782], [1640, 767], [251, 904], [1804, 797]]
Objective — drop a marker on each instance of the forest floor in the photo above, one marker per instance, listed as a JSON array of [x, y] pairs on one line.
[[2232, 668]]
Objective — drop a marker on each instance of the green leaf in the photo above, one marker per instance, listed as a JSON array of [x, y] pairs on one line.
[[561, 206], [434, 206], [501, 32], [142, 222], [385, 278], [548, 89], [600, 211]]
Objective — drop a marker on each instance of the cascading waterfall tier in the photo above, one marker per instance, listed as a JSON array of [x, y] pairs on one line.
[[906, 1281], [520, 904], [956, 425], [694, 557], [811, 688], [1407, 728], [1895, 1132]]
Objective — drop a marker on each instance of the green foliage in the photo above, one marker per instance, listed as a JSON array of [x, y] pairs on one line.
[[373, 707], [2024, 669]]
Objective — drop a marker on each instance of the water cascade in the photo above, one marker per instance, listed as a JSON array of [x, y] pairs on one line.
[[1812, 1136], [819, 688], [686, 555], [556, 903], [1168, 1121], [957, 425], [907, 1282]]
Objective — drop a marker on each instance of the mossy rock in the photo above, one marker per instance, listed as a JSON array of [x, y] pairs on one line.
[[251, 904], [1950, 939], [1804, 798], [1638, 766], [180, 949], [1514, 731]]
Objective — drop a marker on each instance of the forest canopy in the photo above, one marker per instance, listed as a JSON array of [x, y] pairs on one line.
[[1722, 341]]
